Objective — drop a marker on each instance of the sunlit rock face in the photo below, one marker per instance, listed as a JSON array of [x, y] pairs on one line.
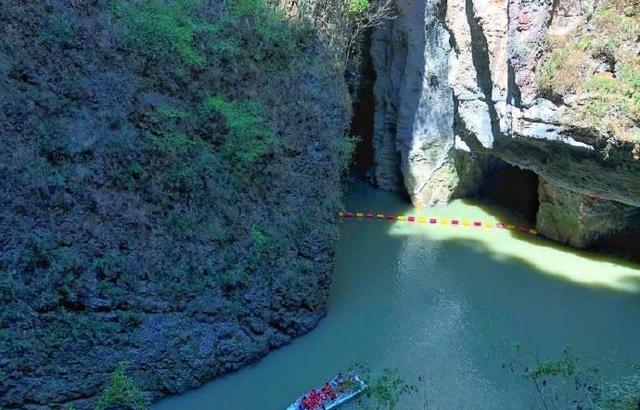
[[414, 104], [481, 57], [492, 71]]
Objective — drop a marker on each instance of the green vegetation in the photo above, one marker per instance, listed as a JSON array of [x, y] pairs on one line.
[[602, 64], [254, 26], [122, 391], [620, 395], [357, 6], [570, 381], [561, 72], [565, 366], [386, 388], [173, 112], [259, 238], [249, 135], [163, 28], [347, 149], [208, 129]]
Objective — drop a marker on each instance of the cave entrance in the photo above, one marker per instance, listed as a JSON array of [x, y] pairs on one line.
[[513, 188], [623, 245], [363, 112]]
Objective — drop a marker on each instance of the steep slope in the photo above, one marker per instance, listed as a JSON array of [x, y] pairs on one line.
[[169, 172]]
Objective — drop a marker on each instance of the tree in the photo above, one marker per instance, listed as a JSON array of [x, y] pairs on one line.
[[122, 391], [366, 15]]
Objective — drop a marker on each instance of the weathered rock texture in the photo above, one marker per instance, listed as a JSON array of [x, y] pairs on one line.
[[492, 51], [414, 114], [579, 220], [142, 220]]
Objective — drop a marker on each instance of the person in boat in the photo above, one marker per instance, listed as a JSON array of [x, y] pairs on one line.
[[318, 400], [308, 402], [328, 392]]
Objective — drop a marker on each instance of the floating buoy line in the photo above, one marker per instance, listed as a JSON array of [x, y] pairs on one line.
[[433, 221]]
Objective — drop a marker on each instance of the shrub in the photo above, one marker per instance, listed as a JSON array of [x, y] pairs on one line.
[[7, 285], [249, 135], [259, 238], [259, 32], [620, 395], [561, 72], [173, 112], [347, 149], [173, 143], [386, 390], [611, 102], [159, 28], [357, 6], [122, 391]]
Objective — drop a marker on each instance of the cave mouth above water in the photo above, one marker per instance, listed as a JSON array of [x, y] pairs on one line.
[[513, 188]]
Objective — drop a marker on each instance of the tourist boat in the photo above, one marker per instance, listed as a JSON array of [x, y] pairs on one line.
[[345, 387]]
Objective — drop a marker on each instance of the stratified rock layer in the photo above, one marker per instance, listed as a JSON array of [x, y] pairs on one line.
[[580, 220], [498, 112], [414, 110]]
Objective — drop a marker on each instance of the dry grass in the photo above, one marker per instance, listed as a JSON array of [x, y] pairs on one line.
[[601, 64], [562, 72]]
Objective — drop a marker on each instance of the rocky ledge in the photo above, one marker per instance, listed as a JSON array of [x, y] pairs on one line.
[[462, 84]]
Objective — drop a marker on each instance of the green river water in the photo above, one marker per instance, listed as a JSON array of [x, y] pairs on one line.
[[442, 302]]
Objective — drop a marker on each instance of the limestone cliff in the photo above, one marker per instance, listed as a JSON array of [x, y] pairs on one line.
[[414, 114], [464, 83]]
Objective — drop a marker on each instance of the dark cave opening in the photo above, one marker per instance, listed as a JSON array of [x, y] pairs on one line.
[[625, 245], [513, 188], [363, 114]]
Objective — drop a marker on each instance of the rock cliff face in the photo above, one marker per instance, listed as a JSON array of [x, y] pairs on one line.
[[156, 168], [414, 114], [458, 88]]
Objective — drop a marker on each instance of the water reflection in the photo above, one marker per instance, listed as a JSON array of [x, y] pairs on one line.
[[435, 302], [547, 257]]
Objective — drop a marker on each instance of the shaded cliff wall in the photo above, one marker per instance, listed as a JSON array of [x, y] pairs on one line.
[[152, 157], [499, 113]]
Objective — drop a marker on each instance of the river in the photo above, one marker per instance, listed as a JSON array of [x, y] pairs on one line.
[[442, 302]]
